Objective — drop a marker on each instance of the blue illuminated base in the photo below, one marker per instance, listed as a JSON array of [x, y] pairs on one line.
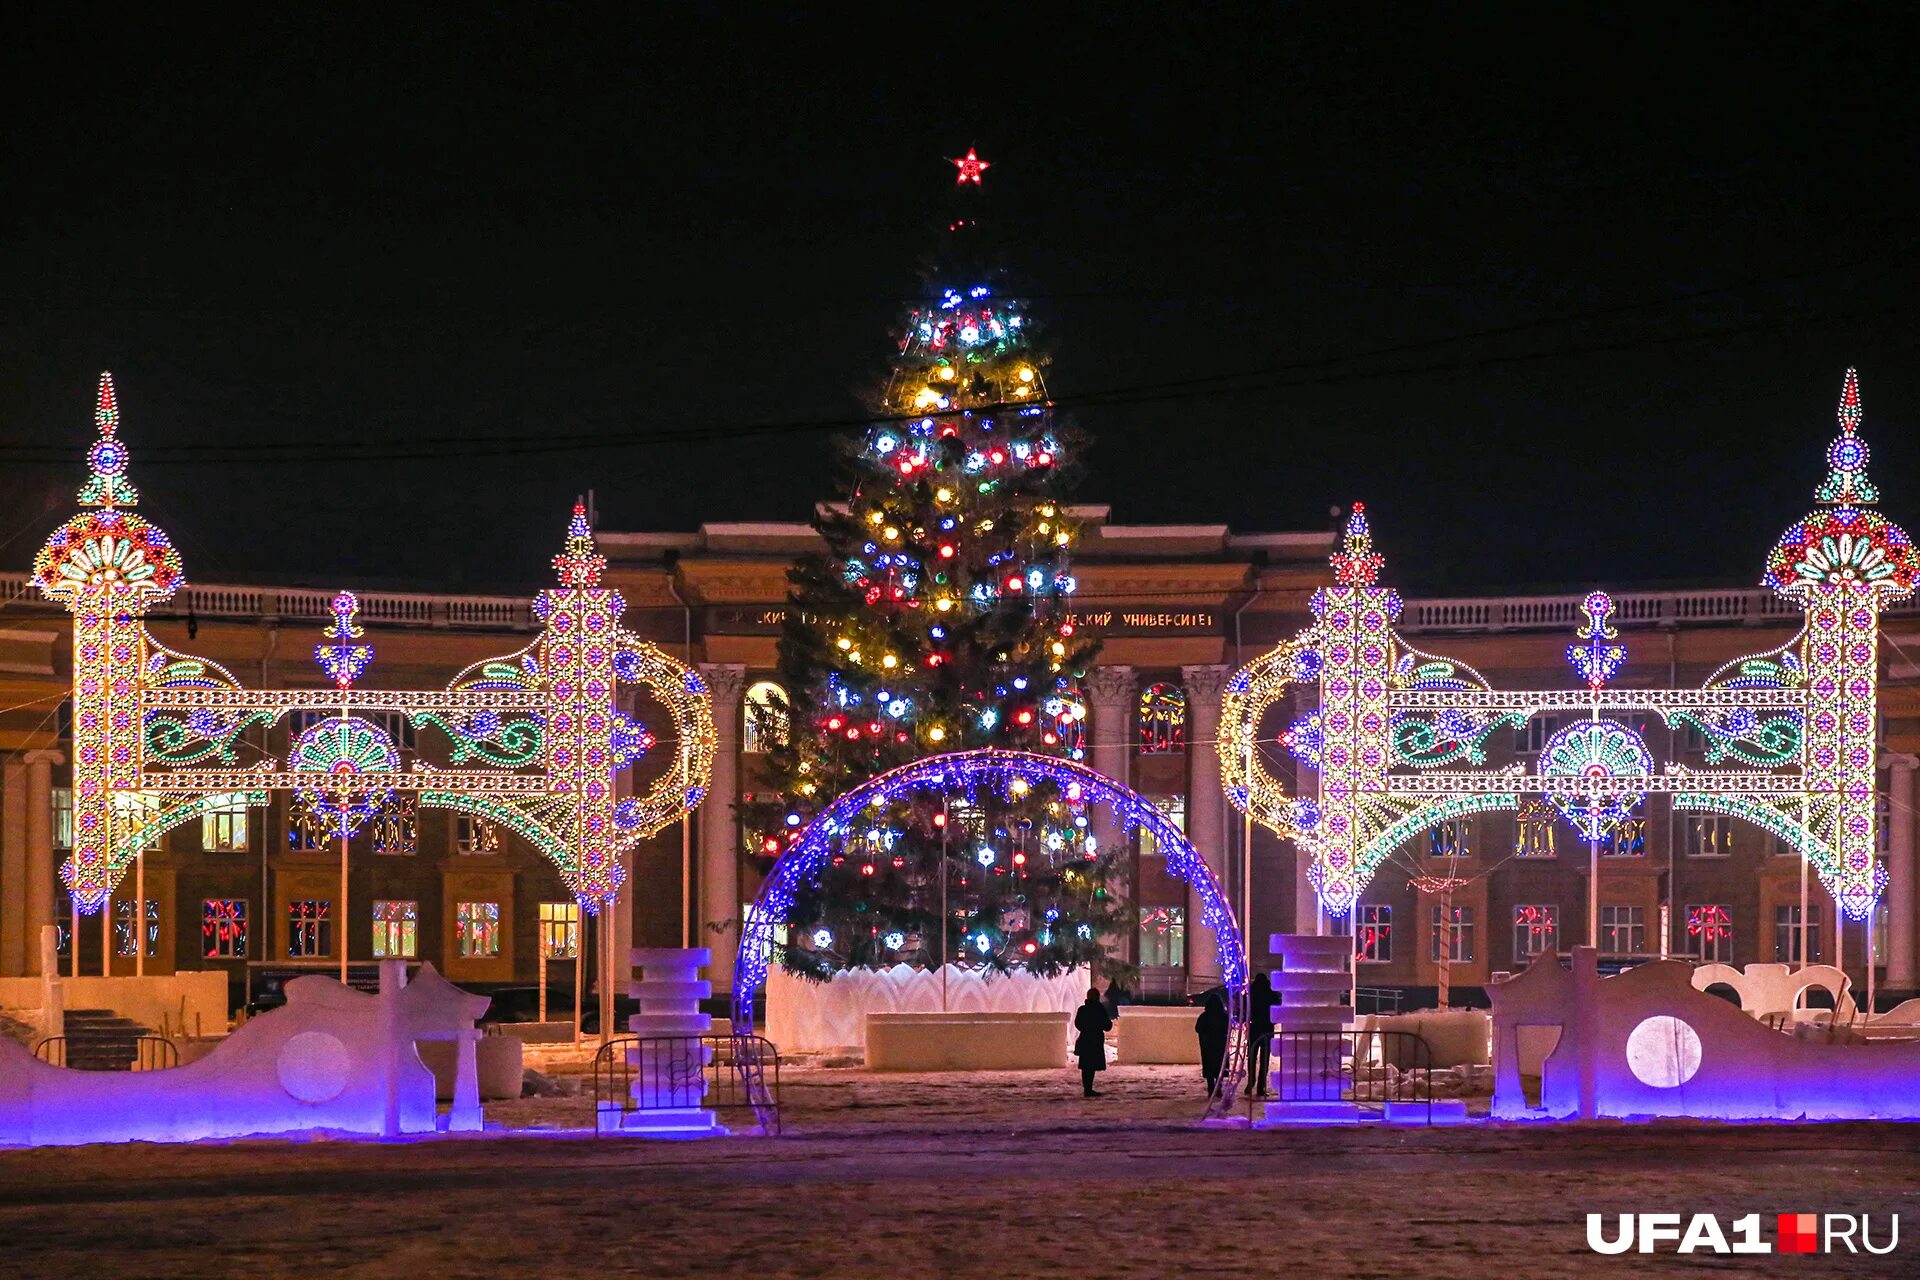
[[1279, 1114], [673, 1123], [1445, 1111]]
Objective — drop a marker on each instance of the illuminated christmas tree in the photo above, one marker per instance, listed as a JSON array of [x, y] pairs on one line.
[[938, 621]]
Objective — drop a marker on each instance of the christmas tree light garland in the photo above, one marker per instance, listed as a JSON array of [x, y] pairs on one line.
[[149, 721], [1802, 717], [940, 622]]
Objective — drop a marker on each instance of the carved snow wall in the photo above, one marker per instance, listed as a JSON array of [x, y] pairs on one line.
[[821, 1017]]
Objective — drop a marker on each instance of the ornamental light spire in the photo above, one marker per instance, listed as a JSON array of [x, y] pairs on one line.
[[1846, 483], [1357, 564], [108, 485], [579, 565]]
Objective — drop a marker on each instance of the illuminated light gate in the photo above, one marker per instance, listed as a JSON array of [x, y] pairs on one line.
[[534, 738], [965, 773], [1395, 724]]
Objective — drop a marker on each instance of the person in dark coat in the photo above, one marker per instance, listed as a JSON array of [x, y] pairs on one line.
[[1213, 1026], [1260, 1031], [1091, 1022]]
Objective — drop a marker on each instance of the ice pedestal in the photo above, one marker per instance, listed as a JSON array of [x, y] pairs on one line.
[[669, 1064], [1309, 1072]]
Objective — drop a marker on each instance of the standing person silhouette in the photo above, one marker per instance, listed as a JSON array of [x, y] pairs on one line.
[[1213, 1027], [1260, 1002], [1092, 1022]]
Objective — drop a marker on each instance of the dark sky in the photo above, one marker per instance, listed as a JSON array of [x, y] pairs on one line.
[[1565, 296]]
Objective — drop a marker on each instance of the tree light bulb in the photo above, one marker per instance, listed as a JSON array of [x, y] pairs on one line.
[[1026, 374]]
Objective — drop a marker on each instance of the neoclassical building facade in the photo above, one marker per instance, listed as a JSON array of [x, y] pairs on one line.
[[1178, 609]]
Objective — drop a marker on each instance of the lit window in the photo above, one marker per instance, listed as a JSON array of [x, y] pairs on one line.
[[766, 717], [63, 817], [1709, 835], [393, 829], [1710, 932], [1174, 810], [475, 835], [223, 829], [1627, 840], [305, 834], [223, 928], [1536, 930], [477, 929], [1455, 932], [560, 930], [1534, 830], [123, 930], [1373, 933], [1163, 719], [1163, 937], [396, 930], [1623, 931], [1451, 839], [309, 928], [1786, 933]]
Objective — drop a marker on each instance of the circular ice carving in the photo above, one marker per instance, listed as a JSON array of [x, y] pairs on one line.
[[313, 1066], [1663, 1052]]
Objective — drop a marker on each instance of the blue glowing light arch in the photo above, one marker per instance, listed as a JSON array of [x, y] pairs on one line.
[[965, 771]]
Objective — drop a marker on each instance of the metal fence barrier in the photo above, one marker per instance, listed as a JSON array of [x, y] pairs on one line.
[[663, 1073], [1367, 1068], [150, 1053]]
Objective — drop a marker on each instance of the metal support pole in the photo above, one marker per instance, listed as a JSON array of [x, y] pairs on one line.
[[1593, 889], [340, 922], [140, 912], [606, 972], [106, 938], [1801, 928]]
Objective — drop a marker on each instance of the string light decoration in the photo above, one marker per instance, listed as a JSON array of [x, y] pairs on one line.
[[971, 167], [981, 776], [532, 740], [1393, 724], [939, 620]]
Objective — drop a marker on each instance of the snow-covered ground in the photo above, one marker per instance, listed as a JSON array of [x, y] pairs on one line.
[[990, 1175]]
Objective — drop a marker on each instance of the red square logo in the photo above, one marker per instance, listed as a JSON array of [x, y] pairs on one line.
[[1799, 1233]]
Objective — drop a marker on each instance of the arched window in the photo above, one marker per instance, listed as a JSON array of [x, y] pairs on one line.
[[1163, 719], [766, 716]]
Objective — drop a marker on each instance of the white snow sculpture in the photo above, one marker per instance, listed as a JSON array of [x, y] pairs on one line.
[[332, 1059], [1647, 1043], [1312, 982], [1779, 988], [669, 1065]]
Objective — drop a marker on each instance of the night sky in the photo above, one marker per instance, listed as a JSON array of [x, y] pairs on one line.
[[1566, 297]]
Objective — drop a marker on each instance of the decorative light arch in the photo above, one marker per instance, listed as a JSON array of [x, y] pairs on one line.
[[1799, 719], [534, 738], [965, 773]]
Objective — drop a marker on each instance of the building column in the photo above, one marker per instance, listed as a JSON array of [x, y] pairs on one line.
[[1306, 900], [40, 870], [1206, 809], [1900, 874], [16, 946], [621, 923], [720, 826], [1110, 694]]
